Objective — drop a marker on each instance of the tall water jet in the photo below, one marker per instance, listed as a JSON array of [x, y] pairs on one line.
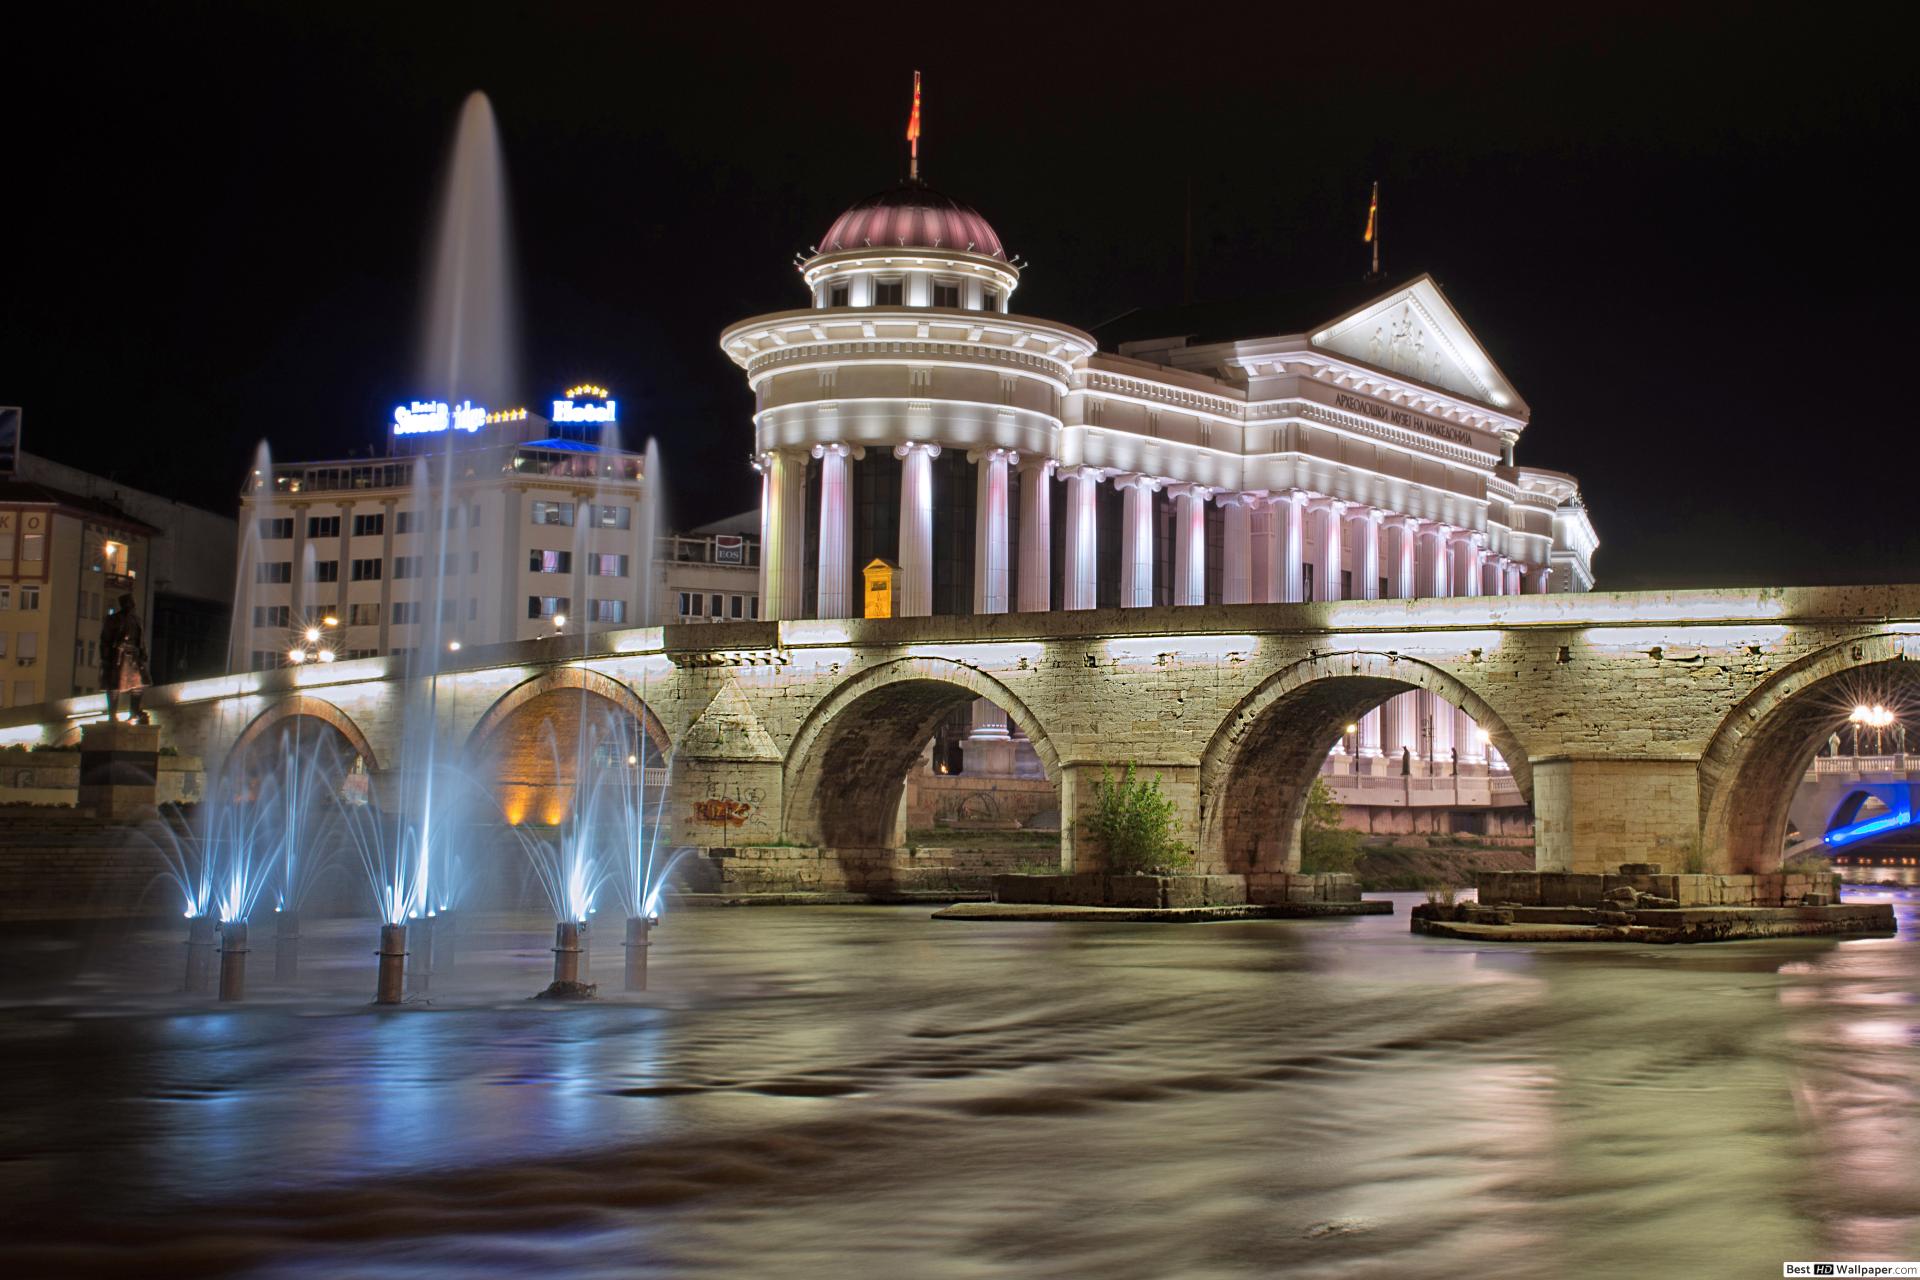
[[470, 346], [240, 629], [468, 355]]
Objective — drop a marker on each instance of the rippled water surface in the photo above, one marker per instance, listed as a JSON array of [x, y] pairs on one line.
[[867, 1092]]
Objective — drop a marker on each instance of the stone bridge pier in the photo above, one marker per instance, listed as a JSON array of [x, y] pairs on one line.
[[1669, 727]]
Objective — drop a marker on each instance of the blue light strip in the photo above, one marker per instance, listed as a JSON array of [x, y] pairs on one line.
[[1860, 830]]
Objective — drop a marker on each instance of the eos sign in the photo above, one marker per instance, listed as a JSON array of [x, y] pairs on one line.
[[424, 417], [572, 409]]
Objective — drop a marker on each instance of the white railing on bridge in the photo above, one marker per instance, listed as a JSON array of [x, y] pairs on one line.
[[1855, 766]]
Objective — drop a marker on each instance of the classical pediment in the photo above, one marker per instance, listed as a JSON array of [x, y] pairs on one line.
[[1414, 333]]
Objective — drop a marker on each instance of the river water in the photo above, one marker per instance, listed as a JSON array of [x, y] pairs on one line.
[[867, 1092]]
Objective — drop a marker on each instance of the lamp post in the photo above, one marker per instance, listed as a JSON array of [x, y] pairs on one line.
[[314, 642]]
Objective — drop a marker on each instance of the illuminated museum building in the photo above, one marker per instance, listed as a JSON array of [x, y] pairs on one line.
[[542, 533], [909, 414]]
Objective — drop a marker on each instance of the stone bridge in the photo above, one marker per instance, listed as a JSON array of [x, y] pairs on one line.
[[1654, 726]]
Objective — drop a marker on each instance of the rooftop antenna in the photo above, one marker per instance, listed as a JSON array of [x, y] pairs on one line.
[[913, 134], [1373, 230]]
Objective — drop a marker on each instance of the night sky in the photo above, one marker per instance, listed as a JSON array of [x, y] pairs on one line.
[[1682, 231]]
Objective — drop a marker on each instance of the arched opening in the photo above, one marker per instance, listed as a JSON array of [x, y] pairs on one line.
[[307, 729], [928, 753], [1809, 751], [543, 741], [1305, 724]]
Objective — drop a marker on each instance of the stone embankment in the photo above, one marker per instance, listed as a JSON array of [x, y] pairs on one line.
[[1639, 904]]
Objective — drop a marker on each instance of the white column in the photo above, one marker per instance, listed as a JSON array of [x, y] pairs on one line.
[[836, 596], [990, 593], [1136, 540], [1402, 557], [1189, 543], [1262, 550], [1236, 547], [1036, 537], [915, 598], [1435, 560], [1364, 526], [1290, 536], [783, 514], [1538, 580], [1400, 723], [1512, 586], [1083, 561], [1465, 566], [1330, 513]]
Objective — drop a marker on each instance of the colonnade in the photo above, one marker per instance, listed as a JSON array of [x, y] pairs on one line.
[[1356, 550]]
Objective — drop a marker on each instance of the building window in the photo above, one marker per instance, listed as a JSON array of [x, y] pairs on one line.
[[361, 653], [448, 610], [553, 513], [736, 604], [405, 612], [6, 597], [277, 527], [473, 516], [690, 603], [27, 648], [838, 295], [3, 644], [363, 613], [550, 562], [407, 566], [946, 293], [1346, 584], [1306, 583], [753, 606], [272, 615], [450, 565], [613, 517], [273, 571], [989, 299], [326, 571], [369, 526], [33, 548], [407, 521], [609, 610], [265, 661], [29, 598], [366, 571], [889, 293], [715, 611], [546, 606], [607, 566], [323, 526]]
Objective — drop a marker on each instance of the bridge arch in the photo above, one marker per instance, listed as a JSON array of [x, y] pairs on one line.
[[1260, 763], [847, 768], [1761, 749], [260, 730], [528, 747]]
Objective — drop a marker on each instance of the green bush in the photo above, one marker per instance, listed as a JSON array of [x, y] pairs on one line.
[[1134, 824], [1325, 845]]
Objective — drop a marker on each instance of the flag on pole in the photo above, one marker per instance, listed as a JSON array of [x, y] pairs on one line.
[[913, 121], [1373, 206]]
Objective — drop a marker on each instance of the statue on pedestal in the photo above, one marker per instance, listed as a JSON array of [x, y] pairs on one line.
[[123, 660]]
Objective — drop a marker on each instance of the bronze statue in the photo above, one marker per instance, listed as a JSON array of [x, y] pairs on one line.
[[123, 659]]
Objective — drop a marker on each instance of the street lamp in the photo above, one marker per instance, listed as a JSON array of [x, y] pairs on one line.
[[309, 642]]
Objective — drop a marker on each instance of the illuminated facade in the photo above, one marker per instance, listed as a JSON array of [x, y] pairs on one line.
[[65, 561], [1008, 463], [478, 527]]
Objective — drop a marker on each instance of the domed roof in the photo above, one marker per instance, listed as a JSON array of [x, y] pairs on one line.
[[911, 216]]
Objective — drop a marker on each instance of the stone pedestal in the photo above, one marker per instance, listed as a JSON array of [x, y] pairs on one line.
[[119, 764]]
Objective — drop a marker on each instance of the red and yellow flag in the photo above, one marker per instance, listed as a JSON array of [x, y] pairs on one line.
[[1373, 206], [913, 121]]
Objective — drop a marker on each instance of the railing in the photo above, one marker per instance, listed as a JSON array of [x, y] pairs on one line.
[[1854, 766], [1468, 790]]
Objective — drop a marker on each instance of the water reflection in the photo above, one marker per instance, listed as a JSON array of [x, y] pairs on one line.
[[866, 1092]]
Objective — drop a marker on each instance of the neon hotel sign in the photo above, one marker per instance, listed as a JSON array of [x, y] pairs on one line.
[[424, 417], [568, 411]]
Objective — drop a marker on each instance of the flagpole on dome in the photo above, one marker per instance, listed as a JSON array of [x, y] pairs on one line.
[[1373, 229], [913, 134]]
